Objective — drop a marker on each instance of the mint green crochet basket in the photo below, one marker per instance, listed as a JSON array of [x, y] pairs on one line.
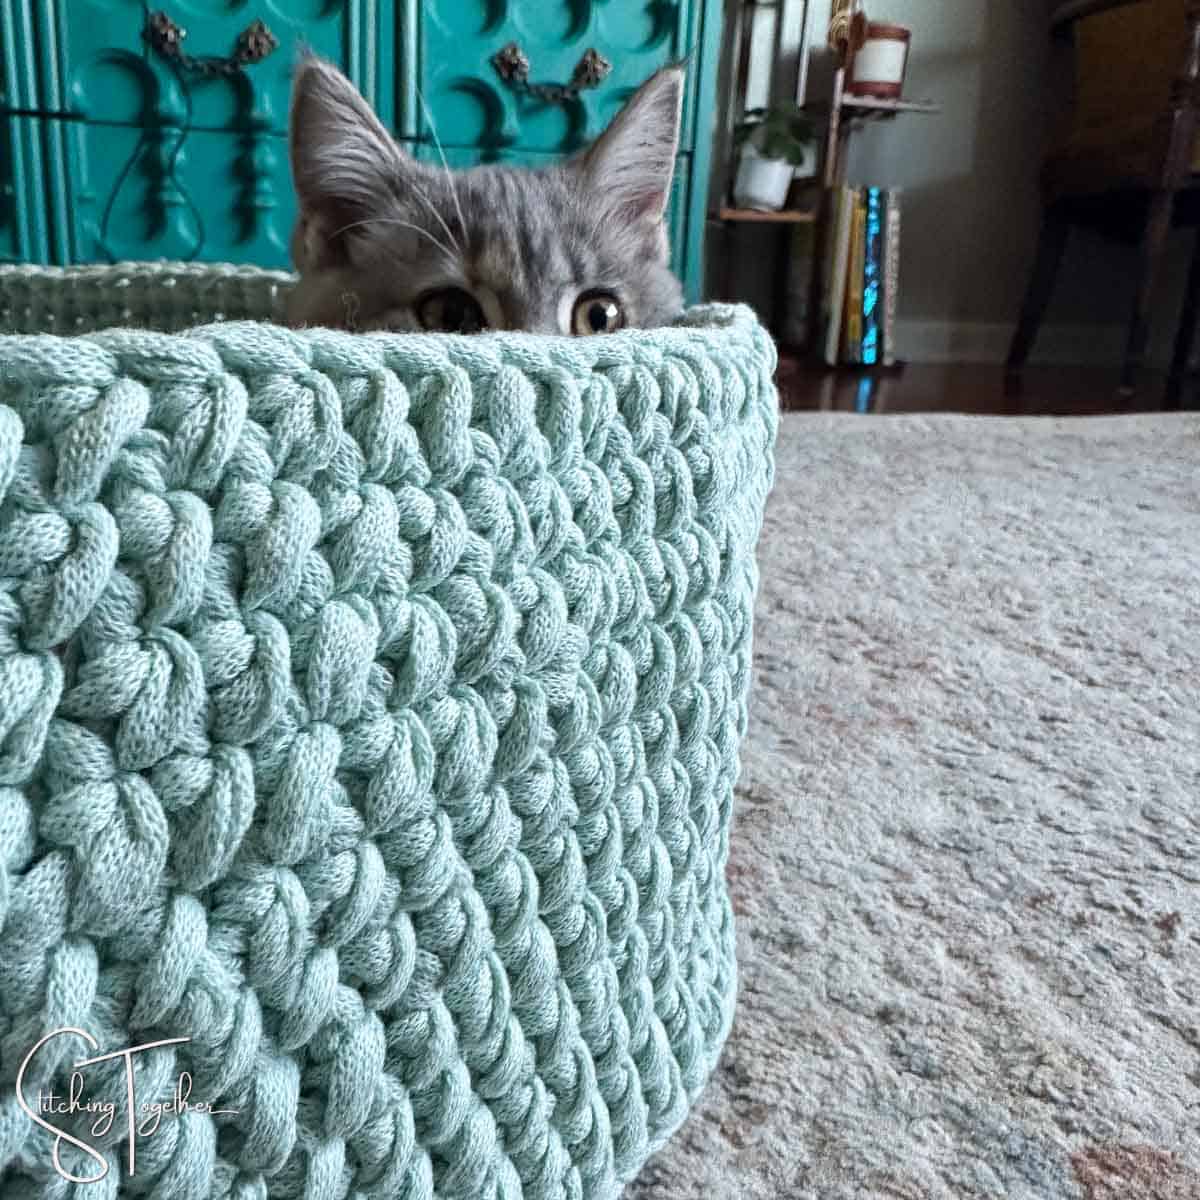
[[370, 709]]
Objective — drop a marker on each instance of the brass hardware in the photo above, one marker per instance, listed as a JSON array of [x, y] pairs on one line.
[[165, 38], [512, 65]]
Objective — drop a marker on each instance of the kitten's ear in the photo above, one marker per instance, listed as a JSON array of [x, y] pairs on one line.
[[630, 166], [345, 164]]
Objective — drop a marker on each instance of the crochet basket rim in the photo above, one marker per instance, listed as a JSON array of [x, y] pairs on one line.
[[191, 298]]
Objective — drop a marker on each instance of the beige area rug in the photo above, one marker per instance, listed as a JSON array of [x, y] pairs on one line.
[[966, 861]]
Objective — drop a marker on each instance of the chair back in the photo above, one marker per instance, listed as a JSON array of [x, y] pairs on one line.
[[1126, 58], [1134, 72]]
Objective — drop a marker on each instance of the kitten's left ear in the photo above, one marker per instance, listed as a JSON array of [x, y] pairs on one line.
[[630, 166], [346, 167]]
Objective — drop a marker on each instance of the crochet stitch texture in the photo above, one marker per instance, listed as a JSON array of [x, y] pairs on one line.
[[369, 715]]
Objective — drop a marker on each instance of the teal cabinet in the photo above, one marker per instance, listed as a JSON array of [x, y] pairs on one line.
[[111, 150]]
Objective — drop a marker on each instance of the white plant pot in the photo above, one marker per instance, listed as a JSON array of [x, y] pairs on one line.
[[762, 183]]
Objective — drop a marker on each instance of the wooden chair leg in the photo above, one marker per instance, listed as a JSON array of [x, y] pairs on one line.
[[1051, 243], [1186, 333], [1154, 244]]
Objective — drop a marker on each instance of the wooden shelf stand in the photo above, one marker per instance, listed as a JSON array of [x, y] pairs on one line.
[[787, 216], [845, 108]]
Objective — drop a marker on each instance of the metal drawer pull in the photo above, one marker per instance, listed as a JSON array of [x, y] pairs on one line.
[[512, 65], [254, 43]]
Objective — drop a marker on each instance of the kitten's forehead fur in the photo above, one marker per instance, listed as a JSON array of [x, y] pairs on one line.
[[378, 230]]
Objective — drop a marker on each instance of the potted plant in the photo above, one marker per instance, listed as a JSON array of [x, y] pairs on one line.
[[774, 143]]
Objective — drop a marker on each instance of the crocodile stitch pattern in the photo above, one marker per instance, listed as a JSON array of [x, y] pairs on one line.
[[369, 716]]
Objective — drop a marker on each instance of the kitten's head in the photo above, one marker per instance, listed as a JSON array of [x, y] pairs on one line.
[[385, 242]]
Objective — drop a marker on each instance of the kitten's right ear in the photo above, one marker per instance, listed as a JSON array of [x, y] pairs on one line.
[[346, 167], [629, 167]]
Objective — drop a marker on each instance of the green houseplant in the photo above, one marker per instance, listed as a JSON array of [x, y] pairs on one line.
[[774, 143]]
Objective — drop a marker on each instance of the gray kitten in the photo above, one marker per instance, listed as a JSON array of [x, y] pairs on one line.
[[385, 242]]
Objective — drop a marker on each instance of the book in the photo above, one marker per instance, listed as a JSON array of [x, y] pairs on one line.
[[841, 209], [872, 271], [830, 215], [891, 275], [852, 348], [833, 252]]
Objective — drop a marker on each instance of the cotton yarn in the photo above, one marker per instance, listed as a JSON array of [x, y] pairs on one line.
[[369, 716]]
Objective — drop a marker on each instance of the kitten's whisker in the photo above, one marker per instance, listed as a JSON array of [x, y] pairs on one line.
[[404, 225], [602, 215], [437, 141], [597, 214], [429, 204]]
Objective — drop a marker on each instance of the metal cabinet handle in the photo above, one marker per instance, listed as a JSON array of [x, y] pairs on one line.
[[165, 38], [512, 65]]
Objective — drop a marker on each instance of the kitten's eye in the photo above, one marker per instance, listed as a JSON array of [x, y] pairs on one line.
[[450, 310], [597, 312]]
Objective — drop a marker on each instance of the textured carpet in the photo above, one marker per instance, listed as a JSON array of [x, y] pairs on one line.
[[967, 851]]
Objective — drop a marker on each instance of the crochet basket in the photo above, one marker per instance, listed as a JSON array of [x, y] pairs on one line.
[[370, 709]]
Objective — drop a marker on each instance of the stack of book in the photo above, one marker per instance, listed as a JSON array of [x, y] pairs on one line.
[[862, 277]]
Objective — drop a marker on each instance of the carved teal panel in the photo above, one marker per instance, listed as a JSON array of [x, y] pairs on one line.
[[131, 193], [22, 192], [17, 65], [469, 104], [96, 63]]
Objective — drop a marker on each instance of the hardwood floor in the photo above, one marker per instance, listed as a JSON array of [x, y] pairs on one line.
[[1046, 391]]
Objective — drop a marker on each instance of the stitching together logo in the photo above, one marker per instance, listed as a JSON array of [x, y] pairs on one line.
[[150, 1112]]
